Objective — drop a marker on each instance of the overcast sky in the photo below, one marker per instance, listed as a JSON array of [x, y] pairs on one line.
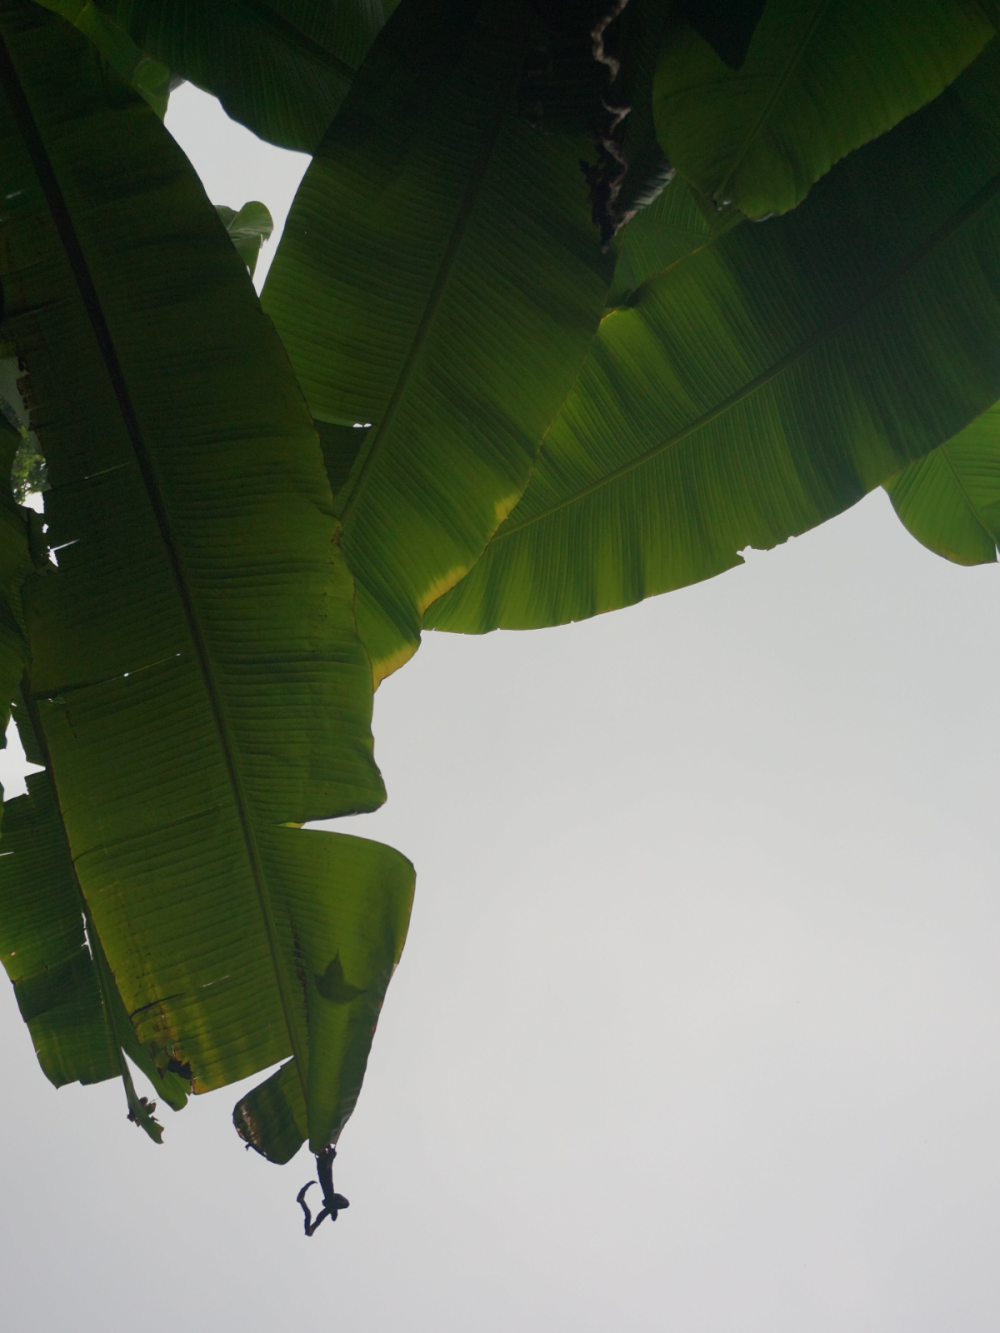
[[697, 1025]]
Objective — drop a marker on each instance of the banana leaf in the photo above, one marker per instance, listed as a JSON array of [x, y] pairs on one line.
[[768, 379], [950, 500], [280, 67], [818, 81], [438, 283], [194, 665], [150, 78], [248, 227], [672, 227], [61, 981]]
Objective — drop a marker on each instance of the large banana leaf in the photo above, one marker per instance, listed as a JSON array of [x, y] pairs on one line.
[[821, 77], [440, 279], [61, 980], [195, 669], [280, 67], [950, 500], [767, 380], [42, 938]]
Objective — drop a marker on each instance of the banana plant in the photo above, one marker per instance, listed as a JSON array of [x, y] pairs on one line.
[[195, 681], [531, 349]]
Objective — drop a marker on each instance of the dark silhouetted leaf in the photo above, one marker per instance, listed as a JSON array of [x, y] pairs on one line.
[[280, 67]]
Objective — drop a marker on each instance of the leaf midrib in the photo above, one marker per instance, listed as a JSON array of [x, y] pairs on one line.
[[957, 219], [973, 507], [296, 37], [456, 236], [630, 298], [73, 249], [778, 90]]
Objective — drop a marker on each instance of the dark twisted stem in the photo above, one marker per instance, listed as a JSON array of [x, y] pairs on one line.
[[333, 1202]]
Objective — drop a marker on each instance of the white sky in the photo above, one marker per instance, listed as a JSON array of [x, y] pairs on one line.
[[697, 1025]]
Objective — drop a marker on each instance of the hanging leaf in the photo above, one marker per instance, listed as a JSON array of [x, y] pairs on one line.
[[345, 961], [439, 279], [248, 229], [61, 980], [950, 500], [280, 67], [767, 380], [195, 670], [819, 80]]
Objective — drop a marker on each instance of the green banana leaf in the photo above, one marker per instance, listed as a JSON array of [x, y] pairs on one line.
[[346, 960], [820, 78], [280, 67], [767, 380], [195, 669], [150, 78], [439, 281], [61, 981], [248, 228], [672, 227], [950, 500]]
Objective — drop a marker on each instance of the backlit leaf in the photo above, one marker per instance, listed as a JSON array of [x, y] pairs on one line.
[[950, 500], [195, 668], [820, 78], [439, 278], [766, 380]]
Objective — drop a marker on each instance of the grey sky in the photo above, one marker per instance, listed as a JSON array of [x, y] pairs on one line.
[[697, 1025]]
